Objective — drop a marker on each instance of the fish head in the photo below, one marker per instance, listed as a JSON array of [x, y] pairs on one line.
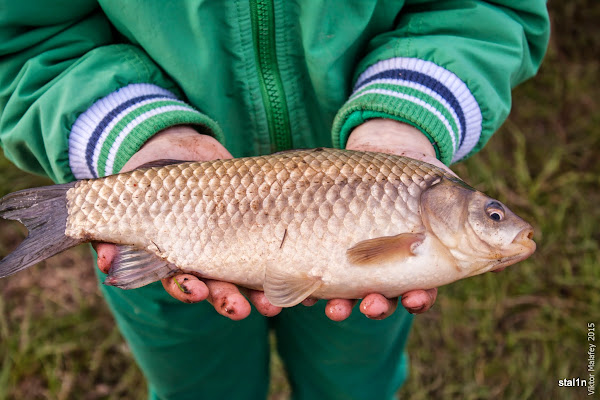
[[481, 233]]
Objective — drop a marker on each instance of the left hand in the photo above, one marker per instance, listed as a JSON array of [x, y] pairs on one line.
[[393, 137]]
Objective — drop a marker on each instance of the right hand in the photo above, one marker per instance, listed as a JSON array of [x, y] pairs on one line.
[[186, 144]]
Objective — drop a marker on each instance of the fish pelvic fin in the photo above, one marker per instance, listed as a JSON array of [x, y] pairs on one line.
[[385, 248], [44, 212], [287, 290], [133, 268]]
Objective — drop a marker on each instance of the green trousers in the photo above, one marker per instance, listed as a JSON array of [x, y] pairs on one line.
[[188, 351]]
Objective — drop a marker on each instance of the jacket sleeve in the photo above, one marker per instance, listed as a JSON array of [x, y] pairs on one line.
[[74, 102], [448, 69]]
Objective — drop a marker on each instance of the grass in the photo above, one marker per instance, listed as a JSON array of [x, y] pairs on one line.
[[511, 335]]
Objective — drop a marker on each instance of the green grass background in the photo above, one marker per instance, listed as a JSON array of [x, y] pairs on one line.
[[511, 335]]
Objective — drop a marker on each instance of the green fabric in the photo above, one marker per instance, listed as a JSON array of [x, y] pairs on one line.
[[354, 359]]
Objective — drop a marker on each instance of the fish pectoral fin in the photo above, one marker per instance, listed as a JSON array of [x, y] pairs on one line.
[[133, 268], [287, 290], [385, 248]]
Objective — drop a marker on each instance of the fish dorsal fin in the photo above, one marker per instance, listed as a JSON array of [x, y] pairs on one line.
[[287, 290], [160, 163], [385, 248], [133, 268], [315, 150]]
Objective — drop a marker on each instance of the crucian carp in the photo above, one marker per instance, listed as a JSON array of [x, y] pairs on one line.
[[320, 223]]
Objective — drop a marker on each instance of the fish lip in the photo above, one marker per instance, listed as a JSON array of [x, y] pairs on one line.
[[525, 247]]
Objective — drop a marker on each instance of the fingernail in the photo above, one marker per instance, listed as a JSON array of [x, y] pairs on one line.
[[377, 317], [416, 310]]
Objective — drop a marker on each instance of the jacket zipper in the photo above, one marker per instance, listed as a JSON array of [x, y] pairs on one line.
[[271, 85]]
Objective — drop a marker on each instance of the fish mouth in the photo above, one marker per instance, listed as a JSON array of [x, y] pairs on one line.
[[521, 248]]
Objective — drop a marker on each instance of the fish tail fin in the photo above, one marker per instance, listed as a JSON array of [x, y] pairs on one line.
[[43, 211]]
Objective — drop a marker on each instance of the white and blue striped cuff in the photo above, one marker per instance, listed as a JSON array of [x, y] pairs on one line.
[[106, 135], [424, 94]]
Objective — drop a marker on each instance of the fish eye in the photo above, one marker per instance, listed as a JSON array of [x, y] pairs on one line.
[[494, 211]]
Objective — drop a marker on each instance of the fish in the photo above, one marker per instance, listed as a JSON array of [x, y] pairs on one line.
[[321, 223]]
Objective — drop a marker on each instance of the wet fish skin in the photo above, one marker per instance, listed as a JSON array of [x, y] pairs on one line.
[[325, 223]]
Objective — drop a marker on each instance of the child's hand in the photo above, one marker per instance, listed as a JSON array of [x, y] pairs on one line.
[[389, 136]]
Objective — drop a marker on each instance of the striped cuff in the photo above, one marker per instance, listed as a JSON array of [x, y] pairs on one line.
[[107, 134], [419, 93]]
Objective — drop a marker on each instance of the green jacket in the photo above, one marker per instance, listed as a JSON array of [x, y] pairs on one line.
[[84, 83]]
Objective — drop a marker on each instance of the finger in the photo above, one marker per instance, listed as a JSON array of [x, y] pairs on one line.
[[339, 309], [261, 303], [106, 254], [227, 300], [376, 306], [309, 301], [419, 301], [186, 288]]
